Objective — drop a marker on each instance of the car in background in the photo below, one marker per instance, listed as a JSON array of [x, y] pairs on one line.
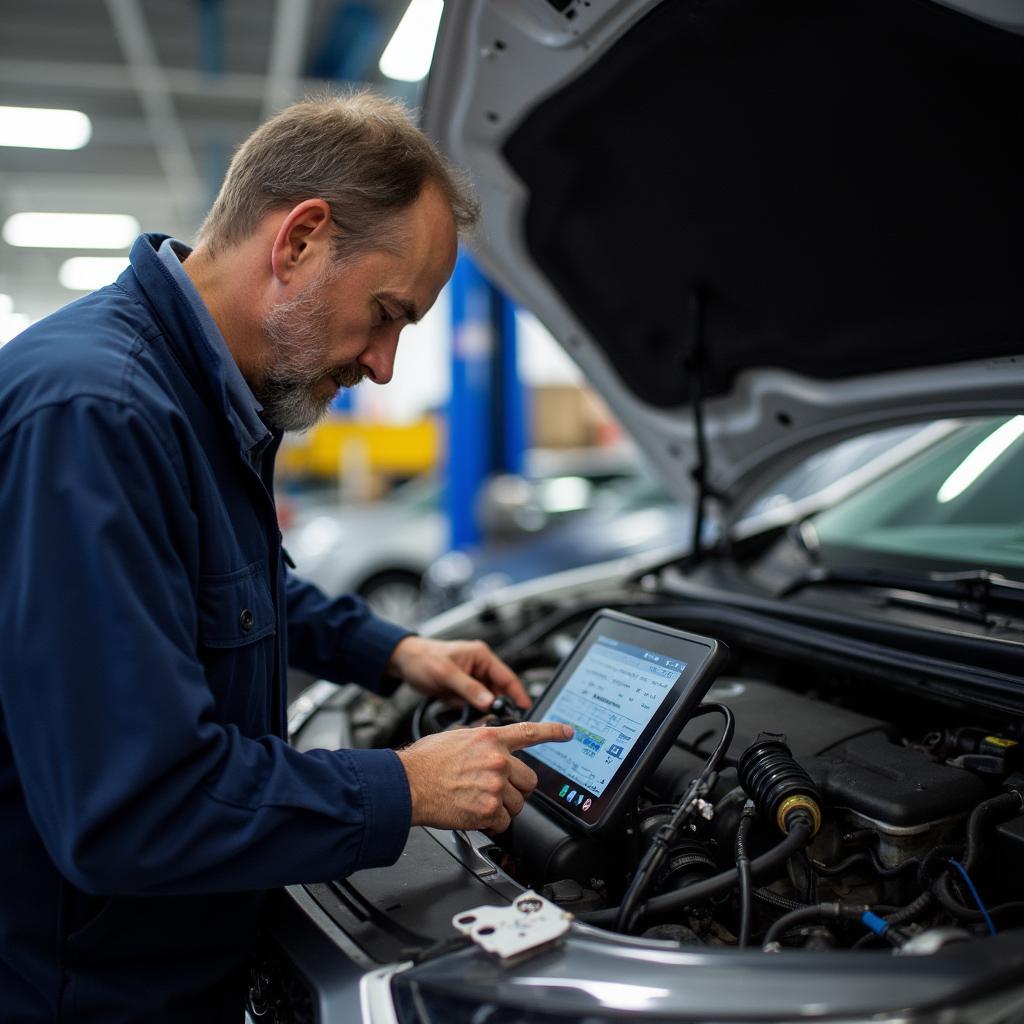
[[637, 515], [381, 549], [376, 549], [760, 230]]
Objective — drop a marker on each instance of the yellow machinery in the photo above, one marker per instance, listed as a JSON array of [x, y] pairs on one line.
[[341, 445]]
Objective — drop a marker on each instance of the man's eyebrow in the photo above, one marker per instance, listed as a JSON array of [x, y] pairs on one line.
[[408, 309]]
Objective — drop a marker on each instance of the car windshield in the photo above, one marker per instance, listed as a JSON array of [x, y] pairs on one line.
[[955, 506]]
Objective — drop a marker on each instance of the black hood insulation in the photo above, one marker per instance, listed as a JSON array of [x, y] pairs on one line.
[[842, 181]]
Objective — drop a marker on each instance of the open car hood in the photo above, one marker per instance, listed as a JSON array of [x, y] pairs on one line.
[[805, 220]]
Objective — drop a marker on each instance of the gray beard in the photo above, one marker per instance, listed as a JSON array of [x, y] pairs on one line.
[[288, 406], [297, 332]]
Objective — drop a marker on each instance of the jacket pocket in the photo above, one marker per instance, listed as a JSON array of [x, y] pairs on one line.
[[235, 608]]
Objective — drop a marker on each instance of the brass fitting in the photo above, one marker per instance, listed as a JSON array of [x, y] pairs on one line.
[[798, 802]]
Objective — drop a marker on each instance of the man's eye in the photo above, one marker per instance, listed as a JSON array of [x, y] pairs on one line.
[[385, 316]]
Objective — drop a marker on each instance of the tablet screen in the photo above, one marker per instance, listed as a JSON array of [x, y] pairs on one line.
[[609, 700], [626, 689]]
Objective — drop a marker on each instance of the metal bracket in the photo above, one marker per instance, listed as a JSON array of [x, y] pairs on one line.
[[529, 923]]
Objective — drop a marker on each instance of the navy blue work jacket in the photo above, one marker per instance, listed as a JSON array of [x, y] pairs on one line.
[[147, 794]]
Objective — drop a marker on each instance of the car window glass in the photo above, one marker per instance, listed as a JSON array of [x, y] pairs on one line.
[[956, 504]]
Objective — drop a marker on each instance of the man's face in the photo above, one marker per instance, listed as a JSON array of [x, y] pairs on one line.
[[343, 326]]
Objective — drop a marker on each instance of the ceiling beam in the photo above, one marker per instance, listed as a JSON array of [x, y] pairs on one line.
[[82, 75], [150, 83], [148, 189], [287, 49]]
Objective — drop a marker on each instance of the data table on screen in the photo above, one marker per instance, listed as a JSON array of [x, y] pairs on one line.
[[608, 700]]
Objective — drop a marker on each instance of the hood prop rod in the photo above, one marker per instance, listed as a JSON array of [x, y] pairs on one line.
[[693, 363]]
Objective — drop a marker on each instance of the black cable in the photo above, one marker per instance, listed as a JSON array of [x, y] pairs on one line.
[[933, 869], [831, 871], [801, 864], [703, 890], [743, 867], [934, 862], [998, 806], [662, 840], [728, 730], [881, 870], [774, 899], [868, 857], [963, 913], [911, 911], [818, 912]]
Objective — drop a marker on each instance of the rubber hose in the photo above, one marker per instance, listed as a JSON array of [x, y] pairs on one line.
[[1002, 806], [911, 911], [944, 894], [1008, 802], [819, 912], [797, 838]]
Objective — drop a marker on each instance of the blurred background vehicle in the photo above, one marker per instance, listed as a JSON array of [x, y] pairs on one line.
[[380, 549], [632, 515], [637, 515]]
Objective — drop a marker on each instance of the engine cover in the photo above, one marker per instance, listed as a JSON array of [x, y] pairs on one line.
[[896, 787]]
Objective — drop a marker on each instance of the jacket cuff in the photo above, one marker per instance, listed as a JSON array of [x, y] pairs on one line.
[[369, 647], [387, 807]]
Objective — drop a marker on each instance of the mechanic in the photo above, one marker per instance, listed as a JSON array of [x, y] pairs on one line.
[[148, 796]]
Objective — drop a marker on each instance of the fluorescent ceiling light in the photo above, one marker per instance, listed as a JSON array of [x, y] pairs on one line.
[[42, 128], [86, 273], [980, 459], [71, 230], [407, 57]]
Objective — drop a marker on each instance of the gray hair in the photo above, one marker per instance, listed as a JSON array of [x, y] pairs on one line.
[[360, 153]]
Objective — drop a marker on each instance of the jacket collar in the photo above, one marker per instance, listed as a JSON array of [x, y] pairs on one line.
[[182, 330]]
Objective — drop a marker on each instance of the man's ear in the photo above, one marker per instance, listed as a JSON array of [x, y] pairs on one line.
[[303, 239]]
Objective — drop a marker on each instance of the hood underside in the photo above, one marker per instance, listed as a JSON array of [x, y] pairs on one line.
[[807, 217]]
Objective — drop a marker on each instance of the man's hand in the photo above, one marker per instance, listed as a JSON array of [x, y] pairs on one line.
[[465, 669], [467, 778]]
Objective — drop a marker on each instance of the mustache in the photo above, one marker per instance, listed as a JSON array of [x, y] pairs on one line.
[[348, 375]]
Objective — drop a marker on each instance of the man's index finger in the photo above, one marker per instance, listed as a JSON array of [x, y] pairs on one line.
[[527, 734]]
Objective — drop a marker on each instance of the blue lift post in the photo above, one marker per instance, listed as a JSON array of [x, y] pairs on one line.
[[486, 411]]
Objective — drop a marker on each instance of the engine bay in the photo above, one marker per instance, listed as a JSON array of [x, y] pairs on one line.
[[825, 805]]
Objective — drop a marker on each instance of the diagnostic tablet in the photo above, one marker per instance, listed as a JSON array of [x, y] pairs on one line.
[[627, 688]]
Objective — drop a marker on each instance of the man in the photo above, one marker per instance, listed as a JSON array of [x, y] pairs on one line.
[[147, 794]]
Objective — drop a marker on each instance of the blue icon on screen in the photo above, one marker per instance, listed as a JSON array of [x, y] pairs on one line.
[[615, 750]]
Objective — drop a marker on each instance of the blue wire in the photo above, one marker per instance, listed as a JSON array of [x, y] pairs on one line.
[[974, 893], [875, 923]]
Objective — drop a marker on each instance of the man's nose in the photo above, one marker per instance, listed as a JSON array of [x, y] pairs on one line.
[[379, 357]]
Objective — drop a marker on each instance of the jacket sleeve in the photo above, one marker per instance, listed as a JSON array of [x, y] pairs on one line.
[[132, 783], [339, 638]]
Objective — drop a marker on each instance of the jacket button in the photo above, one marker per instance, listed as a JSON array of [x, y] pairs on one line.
[[246, 619]]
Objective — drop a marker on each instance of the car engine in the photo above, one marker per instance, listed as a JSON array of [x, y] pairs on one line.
[[827, 806]]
